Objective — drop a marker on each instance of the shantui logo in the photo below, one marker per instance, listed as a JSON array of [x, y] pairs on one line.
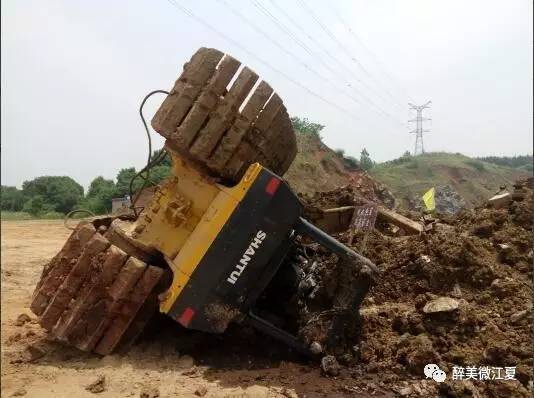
[[246, 257]]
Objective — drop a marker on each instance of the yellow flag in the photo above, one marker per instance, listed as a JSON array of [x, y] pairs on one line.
[[429, 200]]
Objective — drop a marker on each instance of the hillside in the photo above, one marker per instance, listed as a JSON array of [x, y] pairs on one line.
[[458, 178], [318, 168]]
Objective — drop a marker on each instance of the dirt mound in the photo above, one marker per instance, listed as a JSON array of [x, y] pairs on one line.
[[318, 168], [460, 295]]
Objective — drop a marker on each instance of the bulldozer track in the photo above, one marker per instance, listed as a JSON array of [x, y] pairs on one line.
[[224, 128], [95, 296]]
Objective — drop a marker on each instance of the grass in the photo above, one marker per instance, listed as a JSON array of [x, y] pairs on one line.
[[21, 215], [473, 179]]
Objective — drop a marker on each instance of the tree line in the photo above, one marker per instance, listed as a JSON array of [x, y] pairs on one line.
[[60, 194]]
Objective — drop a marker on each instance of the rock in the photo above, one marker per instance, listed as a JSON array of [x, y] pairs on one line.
[[403, 392], [484, 229], [456, 291], [500, 201], [19, 393], [441, 304], [35, 351], [417, 353], [22, 319], [149, 392], [97, 386], [316, 348], [518, 316], [289, 393], [201, 391], [330, 366]]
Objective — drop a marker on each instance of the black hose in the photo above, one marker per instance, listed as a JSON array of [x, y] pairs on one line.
[[150, 162], [70, 213]]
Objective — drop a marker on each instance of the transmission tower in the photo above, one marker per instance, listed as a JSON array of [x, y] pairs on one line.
[[419, 147]]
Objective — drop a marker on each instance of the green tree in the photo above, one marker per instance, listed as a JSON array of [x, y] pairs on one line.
[[99, 195], [11, 199], [122, 187], [366, 163], [61, 194], [304, 126], [34, 205]]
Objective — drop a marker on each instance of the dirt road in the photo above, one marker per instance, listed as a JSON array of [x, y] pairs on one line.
[[227, 366]]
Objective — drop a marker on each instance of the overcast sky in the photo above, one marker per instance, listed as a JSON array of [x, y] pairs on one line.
[[74, 73]]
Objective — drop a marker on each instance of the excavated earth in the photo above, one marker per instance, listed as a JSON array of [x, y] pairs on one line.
[[457, 295]]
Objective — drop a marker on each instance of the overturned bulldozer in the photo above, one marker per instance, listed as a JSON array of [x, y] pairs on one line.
[[222, 240]]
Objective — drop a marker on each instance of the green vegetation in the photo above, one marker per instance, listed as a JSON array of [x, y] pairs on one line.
[[366, 163], [522, 162], [54, 196], [304, 126], [408, 177]]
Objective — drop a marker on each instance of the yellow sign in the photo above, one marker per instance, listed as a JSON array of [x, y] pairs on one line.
[[429, 200]]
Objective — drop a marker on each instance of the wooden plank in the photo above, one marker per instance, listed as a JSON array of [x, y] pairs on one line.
[[223, 116], [59, 267], [131, 305], [113, 260], [99, 316], [399, 220], [69, 288], [195, 74], [242, 123], [210, 97]]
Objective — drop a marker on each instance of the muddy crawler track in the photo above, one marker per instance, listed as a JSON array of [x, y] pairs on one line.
[[222, 129], [95, 296]]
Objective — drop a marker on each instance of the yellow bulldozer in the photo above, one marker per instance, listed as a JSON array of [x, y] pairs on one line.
[[217, 242]]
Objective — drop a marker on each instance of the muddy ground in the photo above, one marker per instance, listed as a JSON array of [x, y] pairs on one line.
[[481, 262], [166, 363]]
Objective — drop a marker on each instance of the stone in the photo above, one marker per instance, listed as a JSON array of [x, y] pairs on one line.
[[518, 316], [149, 392], [19, 392], [201, 391], [35, 351], [441, 304], [22, 319], [316, 348], [97, 386], [500, 201], [330, 366]]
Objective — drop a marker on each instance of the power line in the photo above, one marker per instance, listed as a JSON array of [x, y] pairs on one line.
[[343, 48], [189, 13], [369, 51], [419, 146], [265, 35], [284, 29]]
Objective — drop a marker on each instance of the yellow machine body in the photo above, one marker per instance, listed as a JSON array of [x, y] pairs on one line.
[[184, 217]]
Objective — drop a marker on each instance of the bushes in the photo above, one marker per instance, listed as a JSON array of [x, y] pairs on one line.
[[304, 126], [476, 164]]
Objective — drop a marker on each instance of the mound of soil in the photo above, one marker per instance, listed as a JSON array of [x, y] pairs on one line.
[[480, 265]]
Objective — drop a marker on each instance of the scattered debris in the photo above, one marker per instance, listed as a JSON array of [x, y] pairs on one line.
[[201, 391], [330, 366], [98, 386], [499, 201], [441, 304], [149, 392], [19, 392], [22, 319], [35, 351], [316, 348]]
